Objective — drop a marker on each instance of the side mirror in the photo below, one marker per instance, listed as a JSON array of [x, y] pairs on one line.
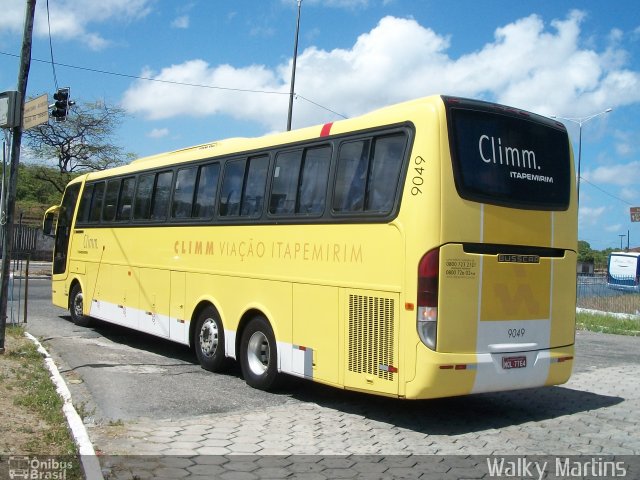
[[48, 223]]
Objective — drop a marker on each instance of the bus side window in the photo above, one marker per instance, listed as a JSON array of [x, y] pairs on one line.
[[231, 193], [385, 172], [142, 204], [183, 192], [207, 191], [253, 196], [312, 192], [96, 203], [161, 194], [110, 200], [126, 199], [300, 182], [351, 177], [285, 183]]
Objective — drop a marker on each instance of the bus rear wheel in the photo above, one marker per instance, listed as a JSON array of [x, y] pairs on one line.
[[209, 340], [76, 307], [259, 355]]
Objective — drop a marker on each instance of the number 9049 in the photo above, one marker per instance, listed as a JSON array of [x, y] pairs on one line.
[[516, 332]]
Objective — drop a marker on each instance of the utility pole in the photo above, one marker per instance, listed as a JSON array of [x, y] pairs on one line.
[[16, 141], [293, 70]]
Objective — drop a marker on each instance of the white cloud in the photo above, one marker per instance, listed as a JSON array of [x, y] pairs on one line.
[[187, 100], [181, 22], [619, 174], [158, 133], [626, 142], [71, 19], [589, 215], [528, 65]]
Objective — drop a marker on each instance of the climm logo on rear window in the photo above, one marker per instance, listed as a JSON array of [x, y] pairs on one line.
[[492, 151], [512, 160]]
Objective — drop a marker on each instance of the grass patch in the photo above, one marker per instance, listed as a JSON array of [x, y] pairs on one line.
[[35, 423], [608, 324]]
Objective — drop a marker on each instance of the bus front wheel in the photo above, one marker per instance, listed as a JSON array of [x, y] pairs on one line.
[[209, 340], [76, 307], [259, 355]]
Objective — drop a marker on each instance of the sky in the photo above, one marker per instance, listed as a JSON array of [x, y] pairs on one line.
[[194, 71]]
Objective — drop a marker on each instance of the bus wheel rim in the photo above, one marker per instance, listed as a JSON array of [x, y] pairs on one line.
[[258, 353], [209, 337], [77, 305]]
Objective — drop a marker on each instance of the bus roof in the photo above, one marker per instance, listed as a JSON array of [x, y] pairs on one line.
[[384, 116]]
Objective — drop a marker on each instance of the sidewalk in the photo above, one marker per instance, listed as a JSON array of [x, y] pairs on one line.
[[37, 269]]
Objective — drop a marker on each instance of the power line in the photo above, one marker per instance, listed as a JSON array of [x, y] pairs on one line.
[[605, 192], [53, 64], [173, 82], [321, 106]]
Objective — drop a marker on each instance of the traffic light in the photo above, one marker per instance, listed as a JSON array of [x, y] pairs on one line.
[[61, 105]]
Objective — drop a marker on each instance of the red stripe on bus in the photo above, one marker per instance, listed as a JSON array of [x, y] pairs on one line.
[[326, 129]]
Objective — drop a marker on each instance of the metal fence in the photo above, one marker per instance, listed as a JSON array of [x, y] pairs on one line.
[[595, 294], [25, 239], [29, 241], [28, 244]]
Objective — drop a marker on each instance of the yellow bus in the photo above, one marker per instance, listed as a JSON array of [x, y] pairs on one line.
[[426, 249]]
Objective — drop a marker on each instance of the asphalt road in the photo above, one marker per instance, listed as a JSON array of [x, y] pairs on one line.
[[115, 373]]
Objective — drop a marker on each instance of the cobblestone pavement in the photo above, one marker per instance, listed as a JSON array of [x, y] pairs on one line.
[[336, 434]]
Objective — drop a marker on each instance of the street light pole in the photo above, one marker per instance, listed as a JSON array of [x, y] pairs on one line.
[[581, 121], [621, 238], [293, 70]]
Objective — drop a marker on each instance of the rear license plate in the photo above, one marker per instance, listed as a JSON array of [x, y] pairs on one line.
[[514, 362]]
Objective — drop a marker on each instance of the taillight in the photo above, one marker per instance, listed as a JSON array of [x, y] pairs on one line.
[[427, 321]]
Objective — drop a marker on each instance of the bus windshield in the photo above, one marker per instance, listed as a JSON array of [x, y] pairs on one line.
[[510, 158]]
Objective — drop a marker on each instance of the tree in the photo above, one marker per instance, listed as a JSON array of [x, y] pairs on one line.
[[32, 191], [585, 254], [33, 196], [82, 143]]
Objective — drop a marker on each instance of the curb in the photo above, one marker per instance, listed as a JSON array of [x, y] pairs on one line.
[[88, 457]]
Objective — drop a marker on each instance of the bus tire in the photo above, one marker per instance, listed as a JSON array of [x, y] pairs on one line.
[[259, 355], [209, 340], [76, 307]]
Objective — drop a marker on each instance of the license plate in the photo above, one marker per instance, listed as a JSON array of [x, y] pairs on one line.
[[514, 362]]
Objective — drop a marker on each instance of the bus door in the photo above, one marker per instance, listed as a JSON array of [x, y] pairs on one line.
[[62, 227]]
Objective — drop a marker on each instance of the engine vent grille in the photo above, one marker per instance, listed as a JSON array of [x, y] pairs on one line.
[[371, 327]]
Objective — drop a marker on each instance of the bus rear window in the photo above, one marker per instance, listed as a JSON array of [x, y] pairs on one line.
[[509, 158]]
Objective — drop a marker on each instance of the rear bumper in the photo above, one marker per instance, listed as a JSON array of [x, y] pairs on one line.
[[445, 375]]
